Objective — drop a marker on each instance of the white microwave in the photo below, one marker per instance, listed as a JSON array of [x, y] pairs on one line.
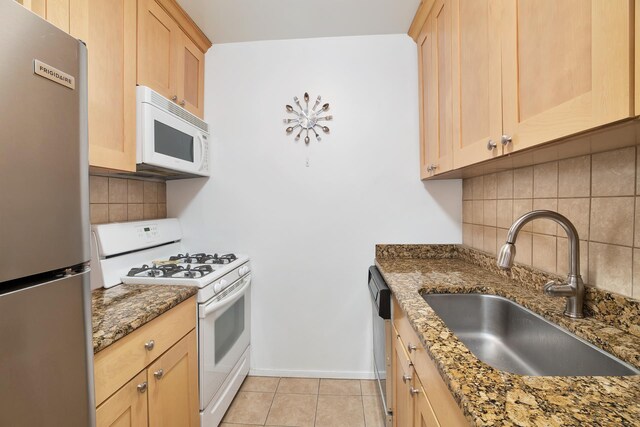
[[171, 142]]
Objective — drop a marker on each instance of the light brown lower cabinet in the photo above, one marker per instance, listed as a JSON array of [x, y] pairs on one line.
[[127, 407], [173, 386], [160, 386], [421, 398]]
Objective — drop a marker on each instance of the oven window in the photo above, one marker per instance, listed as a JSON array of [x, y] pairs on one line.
[[172, 142], [229, 327]]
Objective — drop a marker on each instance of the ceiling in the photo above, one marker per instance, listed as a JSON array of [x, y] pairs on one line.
[[230, 21]]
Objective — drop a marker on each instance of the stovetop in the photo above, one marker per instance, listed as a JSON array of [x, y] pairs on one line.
[[198, 269]]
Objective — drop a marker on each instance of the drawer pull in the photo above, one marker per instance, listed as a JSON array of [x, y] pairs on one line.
[[158, 374], [414, 391], [406, 378], [149, 345], [411, 347], [142, 387]]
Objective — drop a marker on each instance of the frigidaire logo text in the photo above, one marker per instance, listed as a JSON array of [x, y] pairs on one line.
[[53, 74]]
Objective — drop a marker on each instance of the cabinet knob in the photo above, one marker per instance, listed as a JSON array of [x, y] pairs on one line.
[[406, 378], [142, 387], [149, 345], [414, 391], [411, 347], [174, 98], [158, 374], [491, 145], [505, 139], [432, 167], [182, 103]]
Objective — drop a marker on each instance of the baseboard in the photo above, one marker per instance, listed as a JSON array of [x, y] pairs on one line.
[[357, 375]]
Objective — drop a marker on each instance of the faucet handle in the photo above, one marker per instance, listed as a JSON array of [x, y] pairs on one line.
[[548, 286], [554, 289]]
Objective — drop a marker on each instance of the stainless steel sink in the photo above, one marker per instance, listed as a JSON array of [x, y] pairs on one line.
[[512, 338]]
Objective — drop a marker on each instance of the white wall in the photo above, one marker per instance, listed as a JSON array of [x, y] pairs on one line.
[[311, 230]]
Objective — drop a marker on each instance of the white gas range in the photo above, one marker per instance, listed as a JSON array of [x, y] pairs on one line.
[[152, 252]]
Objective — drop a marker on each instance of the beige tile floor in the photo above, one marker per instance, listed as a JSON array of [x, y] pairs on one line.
[[302, 402]]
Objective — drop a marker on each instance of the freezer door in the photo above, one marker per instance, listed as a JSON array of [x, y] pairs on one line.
[[44, 207], [46, 356]]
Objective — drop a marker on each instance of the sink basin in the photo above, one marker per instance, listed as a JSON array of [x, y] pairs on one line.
[[511, 338]]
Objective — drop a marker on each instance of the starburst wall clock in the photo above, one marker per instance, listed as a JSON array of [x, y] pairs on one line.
[[307, 120]]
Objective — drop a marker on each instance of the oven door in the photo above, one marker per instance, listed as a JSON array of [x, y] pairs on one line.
[[168, 142], [224, 334]]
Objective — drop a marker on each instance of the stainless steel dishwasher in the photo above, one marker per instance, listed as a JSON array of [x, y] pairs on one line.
[[382, 336]]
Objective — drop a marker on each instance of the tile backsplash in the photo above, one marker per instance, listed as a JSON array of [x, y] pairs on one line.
[[121, 199], [599, 193]]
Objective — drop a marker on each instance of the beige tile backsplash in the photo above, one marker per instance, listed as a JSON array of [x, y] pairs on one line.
[[598, 193], [121, 199]]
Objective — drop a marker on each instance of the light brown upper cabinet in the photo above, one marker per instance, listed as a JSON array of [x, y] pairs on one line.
[[111, 44], [477, 105], [566, 67], [191, 77], [55, 11], [523, 72], [158, 37], [169, 61], [436, 114]]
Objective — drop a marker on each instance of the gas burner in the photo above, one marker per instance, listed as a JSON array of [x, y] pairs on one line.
[[184, 258], [202, 258], [215, 258], [189, 272], [147, 271]]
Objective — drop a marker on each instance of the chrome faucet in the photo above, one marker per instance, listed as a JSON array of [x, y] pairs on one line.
[[574, 289]]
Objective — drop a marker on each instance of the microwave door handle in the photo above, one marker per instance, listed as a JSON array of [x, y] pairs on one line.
[[228, 300], [201, 152]]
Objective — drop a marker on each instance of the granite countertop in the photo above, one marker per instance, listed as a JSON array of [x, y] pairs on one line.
[[488, 396], [118, 311]]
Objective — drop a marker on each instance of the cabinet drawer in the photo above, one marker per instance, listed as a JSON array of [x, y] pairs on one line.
[[118, 363], [401, 352], [405, 330]]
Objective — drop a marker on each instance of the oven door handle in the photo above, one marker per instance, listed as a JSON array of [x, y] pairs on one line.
[[228, 300]]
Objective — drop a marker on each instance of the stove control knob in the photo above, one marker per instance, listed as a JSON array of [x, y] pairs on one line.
[[220, 285], [243, 270]]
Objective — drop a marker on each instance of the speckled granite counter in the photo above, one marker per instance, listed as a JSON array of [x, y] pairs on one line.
[[118, 311], [490, 397]]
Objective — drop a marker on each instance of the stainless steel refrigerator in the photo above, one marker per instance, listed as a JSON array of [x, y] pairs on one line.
[[46, 368]]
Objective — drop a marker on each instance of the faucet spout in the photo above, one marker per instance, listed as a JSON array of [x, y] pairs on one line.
[[574, 289]]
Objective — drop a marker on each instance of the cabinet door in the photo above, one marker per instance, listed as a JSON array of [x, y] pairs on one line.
[[173, 386], [158, 38], [436, 114], [403, 372], [54, 11], [566, 67], [191, 76], [423, 414], [112, 84], [127, 407], [477, 105]]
